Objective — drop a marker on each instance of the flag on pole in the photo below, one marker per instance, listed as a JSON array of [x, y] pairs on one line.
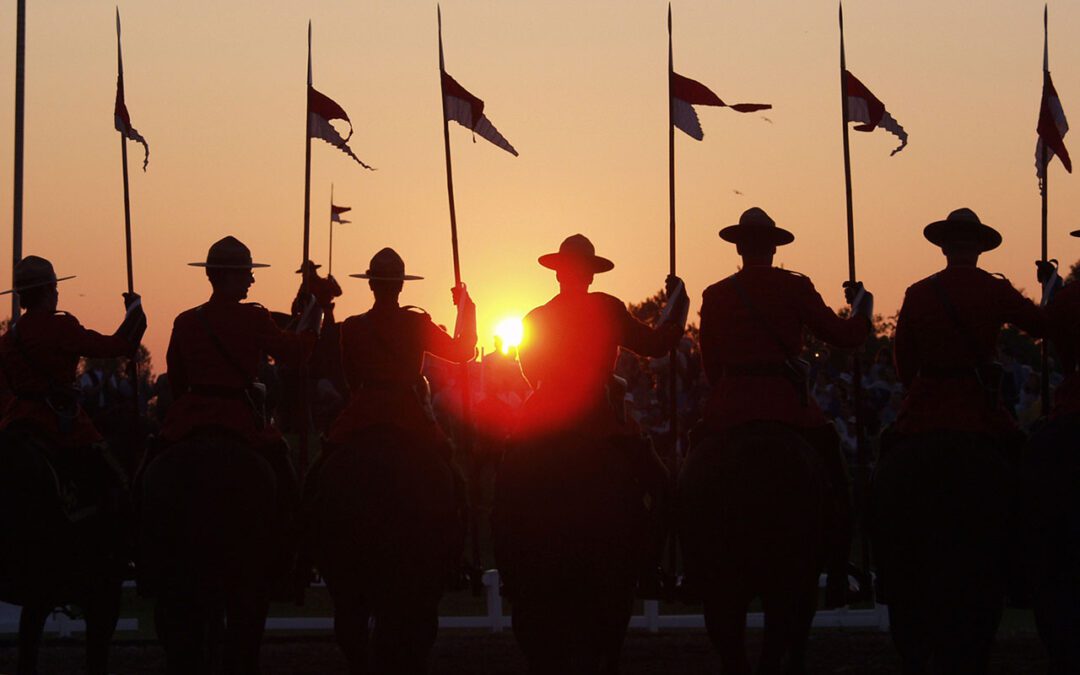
[[323, 109], [336, 211], [468, 111], [121, 118], [864, 107], [687, 93], [1052, 123]]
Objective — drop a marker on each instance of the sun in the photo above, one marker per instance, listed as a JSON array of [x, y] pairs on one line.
[[510, 331]]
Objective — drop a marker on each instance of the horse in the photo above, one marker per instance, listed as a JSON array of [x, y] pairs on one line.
[[62, 525], [1051, 521], [210, 541], [571, 523], [384, 528], [942, 521], [751, 506]]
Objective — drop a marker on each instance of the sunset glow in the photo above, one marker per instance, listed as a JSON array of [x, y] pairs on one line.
[[510, 331]]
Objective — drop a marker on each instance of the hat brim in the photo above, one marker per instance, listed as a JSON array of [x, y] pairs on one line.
[[943, 232], [27, 287], [374, 277], [777, 236], [595, 264], [301, 271], [1075, 233], [227, 267]]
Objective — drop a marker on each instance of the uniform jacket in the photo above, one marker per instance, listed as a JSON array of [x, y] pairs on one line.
[[41, 353], [1063, 316], [382, 353], [936, 360], [568, 353], [743, 349], [207, 386]]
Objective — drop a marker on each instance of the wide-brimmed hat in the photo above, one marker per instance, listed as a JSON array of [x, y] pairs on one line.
[[229, 254], [386, 265], [757, 227], [31, 272], [578, 252], [314, 266], [964, 226]]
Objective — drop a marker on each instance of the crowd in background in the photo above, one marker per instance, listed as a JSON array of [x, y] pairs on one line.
[[499, 388]]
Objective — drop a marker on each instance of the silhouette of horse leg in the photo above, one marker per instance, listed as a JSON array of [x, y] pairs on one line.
[[189, 632], [725, 621], [804, 618], [404, 633], [102, 613], [787, 628], [351, 620], [246, 610], [31, 626], [912, 637]]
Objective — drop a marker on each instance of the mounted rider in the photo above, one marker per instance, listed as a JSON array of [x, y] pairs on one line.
[[1062, 307], [382, 353], [944, 495], [946, 335], [570, 345], [217, 348], [752, 326], [214, 358], [40, 354], [67, 532]]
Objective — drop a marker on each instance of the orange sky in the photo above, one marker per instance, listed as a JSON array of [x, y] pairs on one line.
[[579, 87]]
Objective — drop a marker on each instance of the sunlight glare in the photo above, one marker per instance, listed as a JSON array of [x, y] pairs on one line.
[[509, 330]]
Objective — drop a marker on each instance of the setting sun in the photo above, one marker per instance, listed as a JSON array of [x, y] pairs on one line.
[[509, 330]]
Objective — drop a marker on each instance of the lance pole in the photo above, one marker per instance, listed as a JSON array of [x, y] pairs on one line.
[[302, 371], [307, 154], [1044, 385], [465, 435], [330, 253], [133, 362], [17, 196], [861, 449], [673, 355]]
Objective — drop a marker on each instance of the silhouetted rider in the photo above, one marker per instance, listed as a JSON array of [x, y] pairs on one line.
[[752, 326]]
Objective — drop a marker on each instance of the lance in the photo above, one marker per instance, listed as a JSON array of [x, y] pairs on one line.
[[17, 196], [330, 253], [302, 371], [856, 366], [673, 372], [133, 362], [465, 436], [1044, 387]]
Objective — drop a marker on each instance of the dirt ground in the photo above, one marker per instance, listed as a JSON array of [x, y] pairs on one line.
[[476, 653]]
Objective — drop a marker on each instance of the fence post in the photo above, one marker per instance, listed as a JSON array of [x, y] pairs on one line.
[[494, 601]]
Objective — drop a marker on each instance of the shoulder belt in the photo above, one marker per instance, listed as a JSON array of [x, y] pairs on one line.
[[954, 317], [745, 299], [219, 346]]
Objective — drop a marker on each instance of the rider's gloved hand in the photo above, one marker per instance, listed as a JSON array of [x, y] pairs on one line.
[[860, 299], [1046, 271]]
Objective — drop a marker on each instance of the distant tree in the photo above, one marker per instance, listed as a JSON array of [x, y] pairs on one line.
[[1074, 273]]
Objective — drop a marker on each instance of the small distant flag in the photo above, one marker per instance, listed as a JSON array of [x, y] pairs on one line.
[[864, 107], [121, 118], [323, 109], [687, 93], [336, 211], [468, 111]]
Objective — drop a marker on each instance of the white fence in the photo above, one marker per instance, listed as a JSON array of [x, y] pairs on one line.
[[493, 620]]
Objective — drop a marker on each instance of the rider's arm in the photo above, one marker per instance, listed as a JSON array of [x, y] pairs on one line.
[[643, 339], [438, 342], [825, 324]]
